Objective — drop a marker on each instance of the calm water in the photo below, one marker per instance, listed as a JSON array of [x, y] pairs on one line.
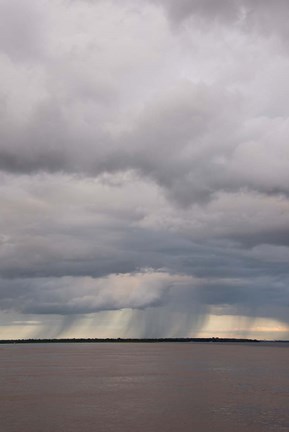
[[144, 387]]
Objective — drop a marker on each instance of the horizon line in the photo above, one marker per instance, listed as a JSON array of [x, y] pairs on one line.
[[137, 340]]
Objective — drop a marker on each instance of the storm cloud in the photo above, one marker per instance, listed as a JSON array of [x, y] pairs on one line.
[[144, 167]]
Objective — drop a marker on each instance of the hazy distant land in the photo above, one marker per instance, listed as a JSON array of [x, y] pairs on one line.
[[137, 340]]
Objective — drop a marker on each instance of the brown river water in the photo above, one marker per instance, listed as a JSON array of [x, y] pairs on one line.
[[176, 387]]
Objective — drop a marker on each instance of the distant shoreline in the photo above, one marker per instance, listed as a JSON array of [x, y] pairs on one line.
[[137, 340]]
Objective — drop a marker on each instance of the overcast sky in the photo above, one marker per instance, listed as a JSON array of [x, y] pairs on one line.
[[144, 168]]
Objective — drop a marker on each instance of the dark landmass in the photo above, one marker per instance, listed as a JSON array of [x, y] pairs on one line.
[[135, 340], [130, 340]]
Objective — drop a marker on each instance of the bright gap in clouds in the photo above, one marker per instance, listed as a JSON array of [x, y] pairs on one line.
[[144, 168]]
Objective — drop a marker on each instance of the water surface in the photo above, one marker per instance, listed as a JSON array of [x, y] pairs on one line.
[[180, 387]]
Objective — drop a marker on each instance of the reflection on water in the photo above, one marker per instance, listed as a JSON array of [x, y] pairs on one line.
[[144, 387]]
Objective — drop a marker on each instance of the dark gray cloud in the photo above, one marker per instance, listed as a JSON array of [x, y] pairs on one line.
[[143, 166], [84, 247], [192, 141], [251, 15], [67, 242], [192, 138], [82, 295]]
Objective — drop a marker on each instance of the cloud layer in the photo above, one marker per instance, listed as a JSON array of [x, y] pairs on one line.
[[144, 162]]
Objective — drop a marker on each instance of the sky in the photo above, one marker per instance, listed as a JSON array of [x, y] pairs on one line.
[[144, 168]]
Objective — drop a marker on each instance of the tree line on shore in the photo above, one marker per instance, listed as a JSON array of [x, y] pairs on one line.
[[125, 340]]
